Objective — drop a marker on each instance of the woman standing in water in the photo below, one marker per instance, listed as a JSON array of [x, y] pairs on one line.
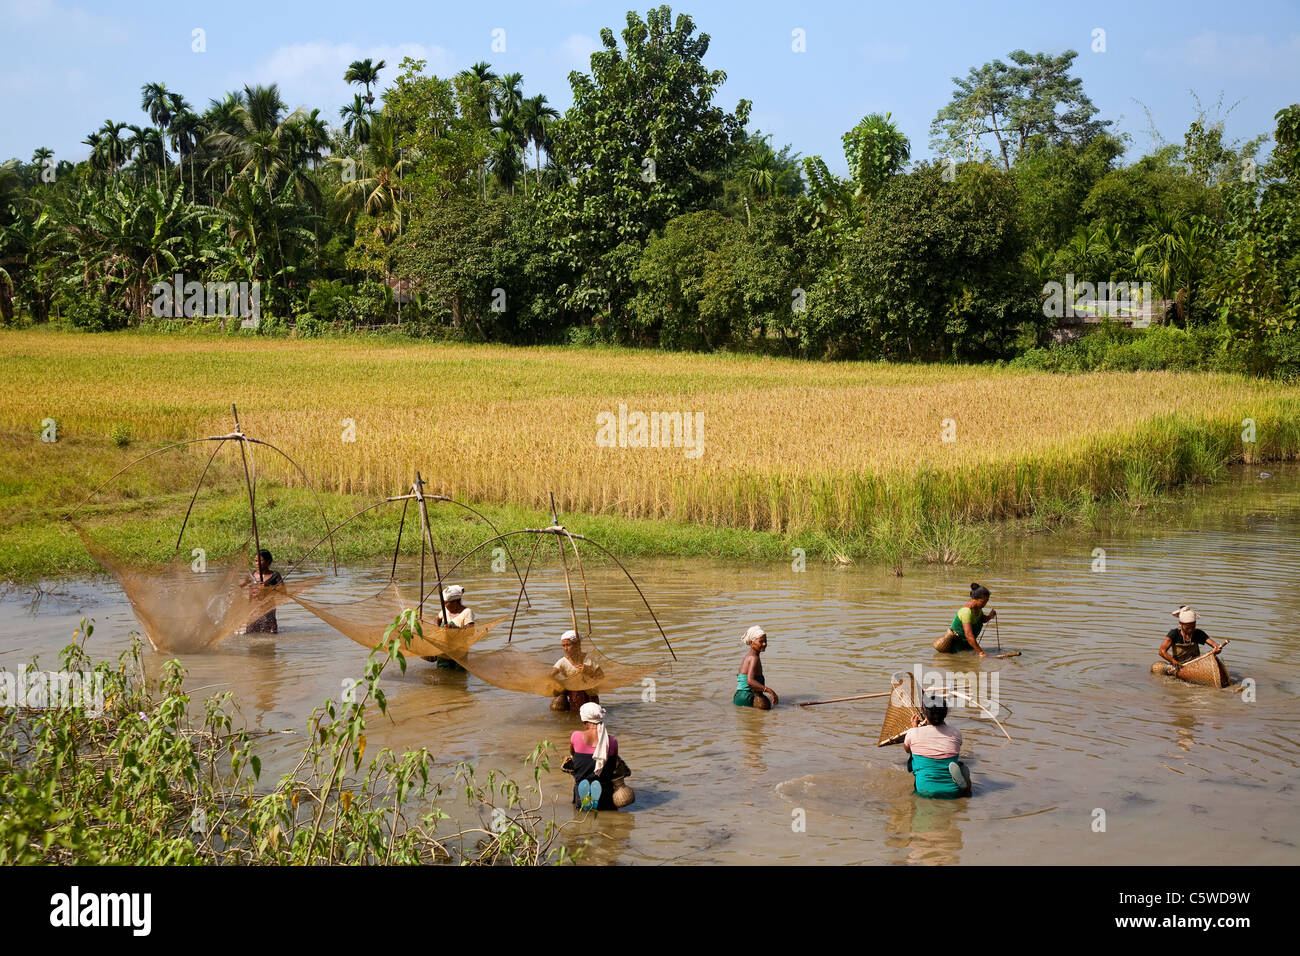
[[964, 631], [750, 689]]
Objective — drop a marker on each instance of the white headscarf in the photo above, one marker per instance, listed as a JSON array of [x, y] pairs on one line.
[[453, 593], [570, 636], [752, 635], [595, 714]]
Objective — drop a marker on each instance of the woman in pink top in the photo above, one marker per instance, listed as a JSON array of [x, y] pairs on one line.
[[593, 752], [935, 754]]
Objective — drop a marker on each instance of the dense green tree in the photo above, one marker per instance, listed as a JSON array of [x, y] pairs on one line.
[[642, 144]]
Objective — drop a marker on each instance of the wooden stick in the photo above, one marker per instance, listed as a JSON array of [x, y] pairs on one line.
[[838, 700], [1007, 654], [998, 631]]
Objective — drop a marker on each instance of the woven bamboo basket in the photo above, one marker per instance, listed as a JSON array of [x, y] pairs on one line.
[[1206, 670], [898, 715]]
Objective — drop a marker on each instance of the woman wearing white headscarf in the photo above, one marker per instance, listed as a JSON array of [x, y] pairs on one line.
[[594, 760], [750, 689], [457, 615]]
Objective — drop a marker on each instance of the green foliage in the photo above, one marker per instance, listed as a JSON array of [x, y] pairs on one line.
[[875, 149], [936, 273], [120, 435], [690, 295], [136, 780], [1033, 97], [642, 144]]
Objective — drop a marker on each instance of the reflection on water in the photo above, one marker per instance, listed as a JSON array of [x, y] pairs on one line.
[[1093, 729]]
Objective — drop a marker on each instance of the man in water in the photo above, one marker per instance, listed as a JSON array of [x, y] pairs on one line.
[[1183, 643], [751, 691], [262, 577], [574, 663]]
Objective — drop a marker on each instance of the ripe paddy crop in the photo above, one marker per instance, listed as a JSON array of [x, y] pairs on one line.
[[785, 446]]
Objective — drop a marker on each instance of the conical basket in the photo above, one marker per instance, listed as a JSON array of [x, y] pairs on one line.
[[902, 708]]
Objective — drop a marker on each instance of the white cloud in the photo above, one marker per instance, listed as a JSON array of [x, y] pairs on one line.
[[311, 74], [576, 50], [1233, 54]]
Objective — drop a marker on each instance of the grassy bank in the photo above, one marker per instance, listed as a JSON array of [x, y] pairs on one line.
[[861, 460]]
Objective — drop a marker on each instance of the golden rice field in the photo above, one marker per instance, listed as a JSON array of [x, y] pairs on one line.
[[786, 445]]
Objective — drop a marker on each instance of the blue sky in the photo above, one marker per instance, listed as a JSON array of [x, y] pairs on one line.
[[66, 66]]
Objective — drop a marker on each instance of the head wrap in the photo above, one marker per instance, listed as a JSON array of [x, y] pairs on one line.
[[1185, 615], [753, 634], [569, 636], [595, 714], [453, 593]]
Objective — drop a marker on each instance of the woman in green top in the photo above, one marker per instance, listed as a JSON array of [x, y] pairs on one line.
[[964, 631]]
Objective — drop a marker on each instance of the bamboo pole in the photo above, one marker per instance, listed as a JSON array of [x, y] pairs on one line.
[[840, 700]]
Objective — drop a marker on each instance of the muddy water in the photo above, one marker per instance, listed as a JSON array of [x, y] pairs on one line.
[[1177, 773]]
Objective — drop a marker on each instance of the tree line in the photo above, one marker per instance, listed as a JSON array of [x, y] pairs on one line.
[[648, 214]]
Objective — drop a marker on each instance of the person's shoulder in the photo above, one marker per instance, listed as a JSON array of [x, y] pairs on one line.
[[575, 738], [1173, 633], [964, 613]]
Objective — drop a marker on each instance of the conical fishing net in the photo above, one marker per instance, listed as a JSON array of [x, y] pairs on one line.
[[902, 708], [186, 611], [365, 622], [513, 668]]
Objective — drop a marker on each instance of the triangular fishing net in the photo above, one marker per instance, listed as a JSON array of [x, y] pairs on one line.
[[186, 611], [902, 708], [365, 622], [513, 668]]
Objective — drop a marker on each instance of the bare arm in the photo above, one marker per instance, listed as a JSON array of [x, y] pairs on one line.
[[970, 639], [748, 668], [1165, 645]]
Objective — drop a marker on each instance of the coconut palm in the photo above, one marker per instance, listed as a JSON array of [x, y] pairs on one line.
[[357, 118], [260, 137]]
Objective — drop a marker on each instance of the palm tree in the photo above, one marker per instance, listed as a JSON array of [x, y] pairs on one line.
[[536, 119], [509, 93], [185, 129], [258, 136], [509, 129], [504, 161], [115, 148], [315, 136], [365, 73], [356, 120], [478, 83], [161, 105], [98, 160]]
